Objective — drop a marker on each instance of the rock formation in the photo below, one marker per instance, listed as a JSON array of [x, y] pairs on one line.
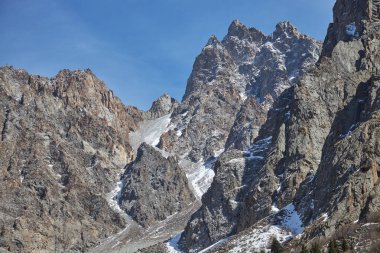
[[246, 63], [289, 129], [322, 151], [63, 142], [154, 187]]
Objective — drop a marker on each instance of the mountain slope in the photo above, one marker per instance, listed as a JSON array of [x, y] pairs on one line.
[[321, 154], [66, 140], [63, 142]]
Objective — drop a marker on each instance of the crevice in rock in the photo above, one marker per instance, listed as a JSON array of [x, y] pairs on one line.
[[5, 125]]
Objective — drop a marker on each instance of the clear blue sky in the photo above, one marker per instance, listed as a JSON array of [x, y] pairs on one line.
[[139, 48]]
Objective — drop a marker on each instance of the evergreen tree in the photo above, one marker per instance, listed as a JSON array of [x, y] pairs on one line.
[[304, 249], [344, 245], [276, 246], [333, 248], [315, 248]]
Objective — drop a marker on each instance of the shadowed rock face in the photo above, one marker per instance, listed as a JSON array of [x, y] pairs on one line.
[[63, 142], [154, 187]]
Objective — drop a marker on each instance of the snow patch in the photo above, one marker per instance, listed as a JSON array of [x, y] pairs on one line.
[[292, 220], [275, 209], [237, 160], [260, 239], [325, 217], [351, 30], [172, 244], [217, 153], [150, 131], [113, 199], [370, 224], [243, 96], [201, 178], [213, 246]]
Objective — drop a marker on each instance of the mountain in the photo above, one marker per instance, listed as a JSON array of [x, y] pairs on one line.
[[233, 84], [275, 136], [154, 187], [78, 165], [315, 160], [64, 140]]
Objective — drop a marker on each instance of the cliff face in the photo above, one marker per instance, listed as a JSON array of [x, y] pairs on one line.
[[63, 142], [318, 147], [154, 187], [246, 63], [285, 139]]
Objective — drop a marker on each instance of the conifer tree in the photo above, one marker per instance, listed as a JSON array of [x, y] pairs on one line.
[[333, 247], [276, 246], [344, 245], [304, 249], [315, 248]]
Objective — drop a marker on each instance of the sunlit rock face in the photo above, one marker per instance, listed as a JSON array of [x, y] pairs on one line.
[[63, 143], [318, 149]]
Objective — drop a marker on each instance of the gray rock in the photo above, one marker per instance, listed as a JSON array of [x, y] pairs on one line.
[[154, 187], [161, 107], [245, 63], [63, 142], [323, 154]]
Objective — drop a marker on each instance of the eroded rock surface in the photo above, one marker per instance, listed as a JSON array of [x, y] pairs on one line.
[[154, 187], [63, 143], [321, 151]]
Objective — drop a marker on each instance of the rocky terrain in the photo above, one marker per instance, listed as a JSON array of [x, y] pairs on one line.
[[321, 144], [64, 140], [276, 136], [227, 78], [154, 187]]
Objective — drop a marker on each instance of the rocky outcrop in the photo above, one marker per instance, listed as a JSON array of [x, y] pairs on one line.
[[245, 63], [218, 215], [63, 142], [350, 19], [154, 187], [248, 121], [161, 107], [269, 66], [323, 153]]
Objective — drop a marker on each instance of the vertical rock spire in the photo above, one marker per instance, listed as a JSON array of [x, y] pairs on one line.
[[350, 19]]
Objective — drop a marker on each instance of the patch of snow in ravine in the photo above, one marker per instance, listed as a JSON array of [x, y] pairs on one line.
[[149, 131], [113, 199], [172, 244], [351, 30], [213, 246], [201, 178], [292, 220]]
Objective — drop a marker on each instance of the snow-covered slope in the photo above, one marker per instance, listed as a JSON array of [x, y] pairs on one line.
[[149, 131]]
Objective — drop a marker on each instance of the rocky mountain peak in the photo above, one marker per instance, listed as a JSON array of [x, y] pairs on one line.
[[242, 32], [236, 28], [163, 105], [213, 42], [286, 29]]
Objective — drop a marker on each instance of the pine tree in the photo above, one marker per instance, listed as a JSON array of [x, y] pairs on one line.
[[344, 245], [304, 249], [315, 248], [333, 247], [276, 246]]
